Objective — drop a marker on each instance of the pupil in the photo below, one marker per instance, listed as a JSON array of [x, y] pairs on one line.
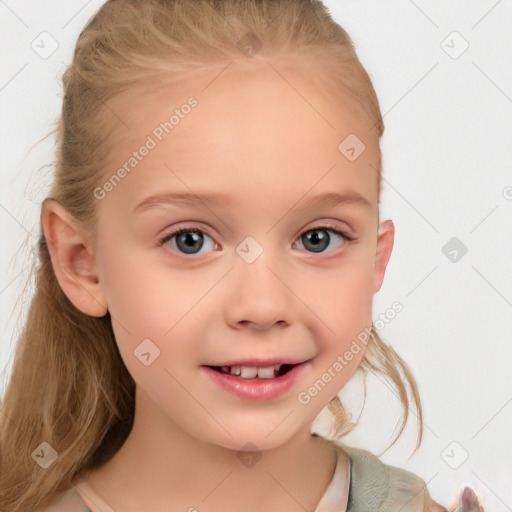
[[318, 237], [188, 236]]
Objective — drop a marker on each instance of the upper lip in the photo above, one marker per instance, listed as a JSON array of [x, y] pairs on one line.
[[260, 363]]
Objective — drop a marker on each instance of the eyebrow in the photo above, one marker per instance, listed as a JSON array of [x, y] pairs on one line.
[[329, 199], [158, 200]]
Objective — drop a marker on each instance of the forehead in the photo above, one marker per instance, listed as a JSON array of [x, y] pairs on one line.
[[249, 127]]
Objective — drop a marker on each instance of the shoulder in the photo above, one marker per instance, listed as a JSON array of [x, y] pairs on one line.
[[69, 501], [379, 487]]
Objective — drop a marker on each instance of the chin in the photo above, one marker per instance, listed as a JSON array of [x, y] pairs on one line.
[[252, 442], [252, 436]]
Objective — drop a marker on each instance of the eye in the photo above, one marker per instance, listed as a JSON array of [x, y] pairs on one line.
[[190, 240], [318, 238], [187, 240]]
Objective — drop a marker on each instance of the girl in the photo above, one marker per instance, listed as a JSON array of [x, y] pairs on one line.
[[155, 375]]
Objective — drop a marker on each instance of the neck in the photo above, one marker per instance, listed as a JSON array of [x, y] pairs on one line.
[[161, 465]]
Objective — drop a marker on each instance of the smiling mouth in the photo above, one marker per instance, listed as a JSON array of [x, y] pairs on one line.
[[254, 372]]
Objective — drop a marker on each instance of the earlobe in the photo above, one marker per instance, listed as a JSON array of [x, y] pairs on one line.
[[384, 248], [73, 259]]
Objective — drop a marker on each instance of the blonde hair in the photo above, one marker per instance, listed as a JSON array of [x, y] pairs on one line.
[[69, 386]]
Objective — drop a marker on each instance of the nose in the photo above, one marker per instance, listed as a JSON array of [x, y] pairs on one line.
[[259, 295]]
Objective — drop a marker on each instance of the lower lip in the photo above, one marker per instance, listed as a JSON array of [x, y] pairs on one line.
[[256, 389]]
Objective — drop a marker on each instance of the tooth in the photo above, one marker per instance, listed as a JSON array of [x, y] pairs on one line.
[[266, 373], [235, 370], [277, 367], [248, 372], [225, 369]]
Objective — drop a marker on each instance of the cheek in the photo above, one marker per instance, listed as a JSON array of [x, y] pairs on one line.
[[152, 310], [132, 284], [343, 297], [343, 302]]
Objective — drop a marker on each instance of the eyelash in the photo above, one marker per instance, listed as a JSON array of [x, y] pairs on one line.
[[324, 227]]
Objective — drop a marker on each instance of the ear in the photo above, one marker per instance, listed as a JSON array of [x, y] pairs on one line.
[[72, 258], [384, 248]]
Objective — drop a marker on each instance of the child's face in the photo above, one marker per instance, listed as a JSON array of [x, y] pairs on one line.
[[267, 144]]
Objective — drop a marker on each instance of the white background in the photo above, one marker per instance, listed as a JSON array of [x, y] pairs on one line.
[[447, 156]]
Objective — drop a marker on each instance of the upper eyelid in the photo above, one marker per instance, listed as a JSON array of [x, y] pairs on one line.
[[321, 225]]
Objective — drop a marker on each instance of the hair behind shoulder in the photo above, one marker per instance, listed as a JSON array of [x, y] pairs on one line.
[[69, 404]]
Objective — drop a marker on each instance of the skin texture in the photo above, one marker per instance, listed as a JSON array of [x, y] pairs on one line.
[[266, 145]]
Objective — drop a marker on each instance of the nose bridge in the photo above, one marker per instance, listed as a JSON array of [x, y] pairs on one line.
[[258, 265], [259, 293]]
